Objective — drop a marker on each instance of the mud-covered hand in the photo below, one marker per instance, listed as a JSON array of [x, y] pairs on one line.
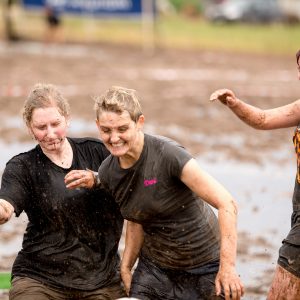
[[126, 278], [80, 179], [226, 96], [229, 282]]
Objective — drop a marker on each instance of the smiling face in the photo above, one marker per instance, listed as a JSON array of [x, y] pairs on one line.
[[120, 134], [49, 128]]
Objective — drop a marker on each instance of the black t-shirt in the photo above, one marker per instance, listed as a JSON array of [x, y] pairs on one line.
[[72, 236], [181, 230]]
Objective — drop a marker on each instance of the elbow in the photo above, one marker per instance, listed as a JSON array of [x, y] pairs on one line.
[[229, 208], [232, 208]]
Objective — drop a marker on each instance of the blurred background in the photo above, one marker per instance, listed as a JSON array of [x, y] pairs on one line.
[[162, 23], [175, 53]]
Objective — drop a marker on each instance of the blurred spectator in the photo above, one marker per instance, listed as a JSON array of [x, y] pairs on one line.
[[9, 28], [54, 23]]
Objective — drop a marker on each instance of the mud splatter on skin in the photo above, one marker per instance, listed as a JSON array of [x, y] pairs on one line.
[[183, 102]]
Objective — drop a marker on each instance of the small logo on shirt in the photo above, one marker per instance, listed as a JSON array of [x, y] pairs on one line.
[[148, 182]]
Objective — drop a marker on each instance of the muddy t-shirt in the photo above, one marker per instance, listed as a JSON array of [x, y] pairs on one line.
[[181, 230], [72, 236]]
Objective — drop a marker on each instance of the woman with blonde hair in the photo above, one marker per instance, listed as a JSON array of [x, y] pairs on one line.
[[70, 246], [184, 251]]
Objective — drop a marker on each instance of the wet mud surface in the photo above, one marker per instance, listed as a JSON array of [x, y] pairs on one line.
[[174, 86]]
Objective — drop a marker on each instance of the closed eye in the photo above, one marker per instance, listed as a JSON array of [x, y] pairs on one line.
[[105, 130], [123, 129]]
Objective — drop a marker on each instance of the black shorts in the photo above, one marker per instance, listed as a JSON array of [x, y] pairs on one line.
[[150, 282], [289, 258]]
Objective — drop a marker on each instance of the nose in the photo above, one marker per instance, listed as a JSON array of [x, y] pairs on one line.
[[50, 131], [114, 137]]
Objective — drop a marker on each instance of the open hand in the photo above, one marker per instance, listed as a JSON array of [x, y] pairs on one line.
[[229, 281], [225, 96]]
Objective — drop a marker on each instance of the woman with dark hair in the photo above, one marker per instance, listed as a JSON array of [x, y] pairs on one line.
[[286, 282]]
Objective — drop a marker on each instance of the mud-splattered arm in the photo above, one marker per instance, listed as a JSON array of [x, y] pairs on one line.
[[280, 117], [133, 244], [211, 191]]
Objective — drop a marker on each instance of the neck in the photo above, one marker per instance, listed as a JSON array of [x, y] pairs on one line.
[[63, 156], [130, 158]]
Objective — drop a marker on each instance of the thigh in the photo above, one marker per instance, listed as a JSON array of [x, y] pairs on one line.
[[111, 292], [150, 282], [285, 286], [24, 288]]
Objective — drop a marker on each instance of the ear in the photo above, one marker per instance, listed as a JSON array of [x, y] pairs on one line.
[[140, 122], [97, 124], [30, 132], [33, 137]]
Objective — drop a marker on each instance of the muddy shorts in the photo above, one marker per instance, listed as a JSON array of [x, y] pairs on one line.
[[150, 282], [24, 288], [289, 258]]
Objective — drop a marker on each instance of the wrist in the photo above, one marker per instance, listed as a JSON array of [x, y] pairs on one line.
[[124, 270], [232, 102], [227, 265], [96, 179]]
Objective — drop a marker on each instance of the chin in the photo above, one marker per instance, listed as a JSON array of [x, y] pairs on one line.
[[117, 152], [53, 146]]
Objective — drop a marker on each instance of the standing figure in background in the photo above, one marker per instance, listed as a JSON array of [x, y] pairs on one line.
[[8, 21], [54, 23], [70, 246], [286, 282], [185, 252]]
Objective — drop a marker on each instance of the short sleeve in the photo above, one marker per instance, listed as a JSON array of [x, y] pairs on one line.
[[14, 184], [175, 158]]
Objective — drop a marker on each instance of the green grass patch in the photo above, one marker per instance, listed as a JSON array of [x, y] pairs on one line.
[[171, 31], [5, 281], [249, 38]]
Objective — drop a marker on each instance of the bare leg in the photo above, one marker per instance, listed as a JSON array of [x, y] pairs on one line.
[[285, 286]]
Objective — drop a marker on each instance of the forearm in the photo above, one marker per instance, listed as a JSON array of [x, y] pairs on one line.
[[6, 211], [227, 221], [133, 244], [279, 117], [251, 115]]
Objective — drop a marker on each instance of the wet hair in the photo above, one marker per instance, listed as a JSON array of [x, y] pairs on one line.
[[298, 57], [118, 99], [42, 96]]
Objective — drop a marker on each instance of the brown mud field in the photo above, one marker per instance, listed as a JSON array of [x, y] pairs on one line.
[[174, 86]]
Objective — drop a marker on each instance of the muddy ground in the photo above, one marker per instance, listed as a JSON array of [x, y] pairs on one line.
[[174, 87]]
